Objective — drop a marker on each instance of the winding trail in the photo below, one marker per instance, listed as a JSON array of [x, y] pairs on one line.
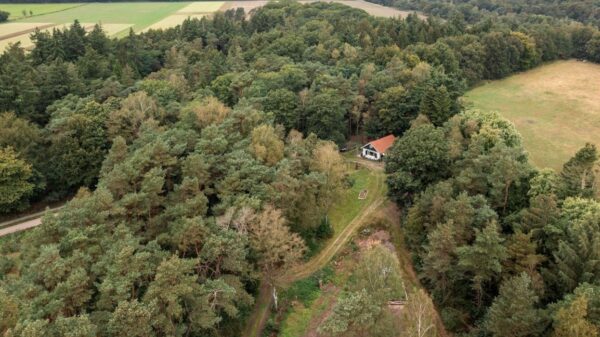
[[260, 314]]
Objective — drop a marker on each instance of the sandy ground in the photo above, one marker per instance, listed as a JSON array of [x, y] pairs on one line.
[[21, 226]]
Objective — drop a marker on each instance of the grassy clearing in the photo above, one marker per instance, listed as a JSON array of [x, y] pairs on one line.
[[305, 300], [349, 205], [16, 10], [555, 107], [138, 14]]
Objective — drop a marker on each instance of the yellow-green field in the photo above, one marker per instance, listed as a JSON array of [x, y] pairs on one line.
[[555, 107], [31, 9], [116, 18]]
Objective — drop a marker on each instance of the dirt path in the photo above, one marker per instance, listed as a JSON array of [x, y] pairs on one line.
[[25, 222], [260, 313], [21, 226]]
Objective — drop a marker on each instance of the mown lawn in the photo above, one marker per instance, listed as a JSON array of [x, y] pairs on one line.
[[555, 107]]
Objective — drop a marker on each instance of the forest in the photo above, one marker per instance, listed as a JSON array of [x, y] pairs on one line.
[[204, 157], [586, 11]]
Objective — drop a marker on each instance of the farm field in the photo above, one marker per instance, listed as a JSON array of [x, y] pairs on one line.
[[369, 7], [25, 40], [16, 10], [555, 107], [118, 18], [138, 14]]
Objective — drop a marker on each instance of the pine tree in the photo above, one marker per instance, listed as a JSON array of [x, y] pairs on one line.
[[577, 176], [513, 312], [437, 105], [483, 259]]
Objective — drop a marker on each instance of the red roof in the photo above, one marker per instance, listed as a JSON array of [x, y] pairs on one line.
[[382, 144]]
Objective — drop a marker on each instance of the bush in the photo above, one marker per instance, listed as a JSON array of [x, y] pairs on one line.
[[324, 230], [4, 16]]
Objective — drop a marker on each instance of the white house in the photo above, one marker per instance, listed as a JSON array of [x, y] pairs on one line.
[[375, 150]]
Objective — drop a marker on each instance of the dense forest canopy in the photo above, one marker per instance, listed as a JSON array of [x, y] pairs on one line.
[[586, 11], [204, 157]]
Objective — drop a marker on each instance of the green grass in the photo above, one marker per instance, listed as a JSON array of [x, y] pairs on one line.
[[16, 10], [305, 292], [555, 107], [348, 206], [140, 14]]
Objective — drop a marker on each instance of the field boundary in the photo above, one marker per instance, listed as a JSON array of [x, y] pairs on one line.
[[27, 31], [57, 11]]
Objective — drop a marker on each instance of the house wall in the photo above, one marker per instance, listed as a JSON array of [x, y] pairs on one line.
[[373, 155]]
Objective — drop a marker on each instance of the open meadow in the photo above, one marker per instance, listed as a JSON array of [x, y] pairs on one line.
[[118, 18], [555, 107]]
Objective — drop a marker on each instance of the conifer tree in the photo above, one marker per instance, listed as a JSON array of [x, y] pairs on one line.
[[513, 312]]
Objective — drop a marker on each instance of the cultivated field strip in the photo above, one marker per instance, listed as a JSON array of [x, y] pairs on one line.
[[172, 21], [201, 7], [25, 38], [12, 29], [369, 7], [247, 5]]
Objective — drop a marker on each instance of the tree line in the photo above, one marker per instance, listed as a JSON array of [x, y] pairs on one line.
[[504, 248], [585, 11]]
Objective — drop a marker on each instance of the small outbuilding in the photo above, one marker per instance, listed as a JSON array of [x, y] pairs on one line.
[[376, 149]]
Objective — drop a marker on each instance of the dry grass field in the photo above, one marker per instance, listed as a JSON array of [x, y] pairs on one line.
[[201, 7], [172, 21], [555, 107], [369, 7], [10, 29], [25, 40], [195, 10]]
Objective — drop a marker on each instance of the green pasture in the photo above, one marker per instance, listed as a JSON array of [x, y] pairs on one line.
[[555, 107], [140, 14], [16, 10]]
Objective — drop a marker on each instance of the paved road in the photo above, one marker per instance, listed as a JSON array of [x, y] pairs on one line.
[[21, 226]]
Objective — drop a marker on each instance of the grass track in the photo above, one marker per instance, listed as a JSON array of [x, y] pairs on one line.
[[555, 107]]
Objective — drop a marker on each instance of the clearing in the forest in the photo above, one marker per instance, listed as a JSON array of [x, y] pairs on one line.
[[555, 107]]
